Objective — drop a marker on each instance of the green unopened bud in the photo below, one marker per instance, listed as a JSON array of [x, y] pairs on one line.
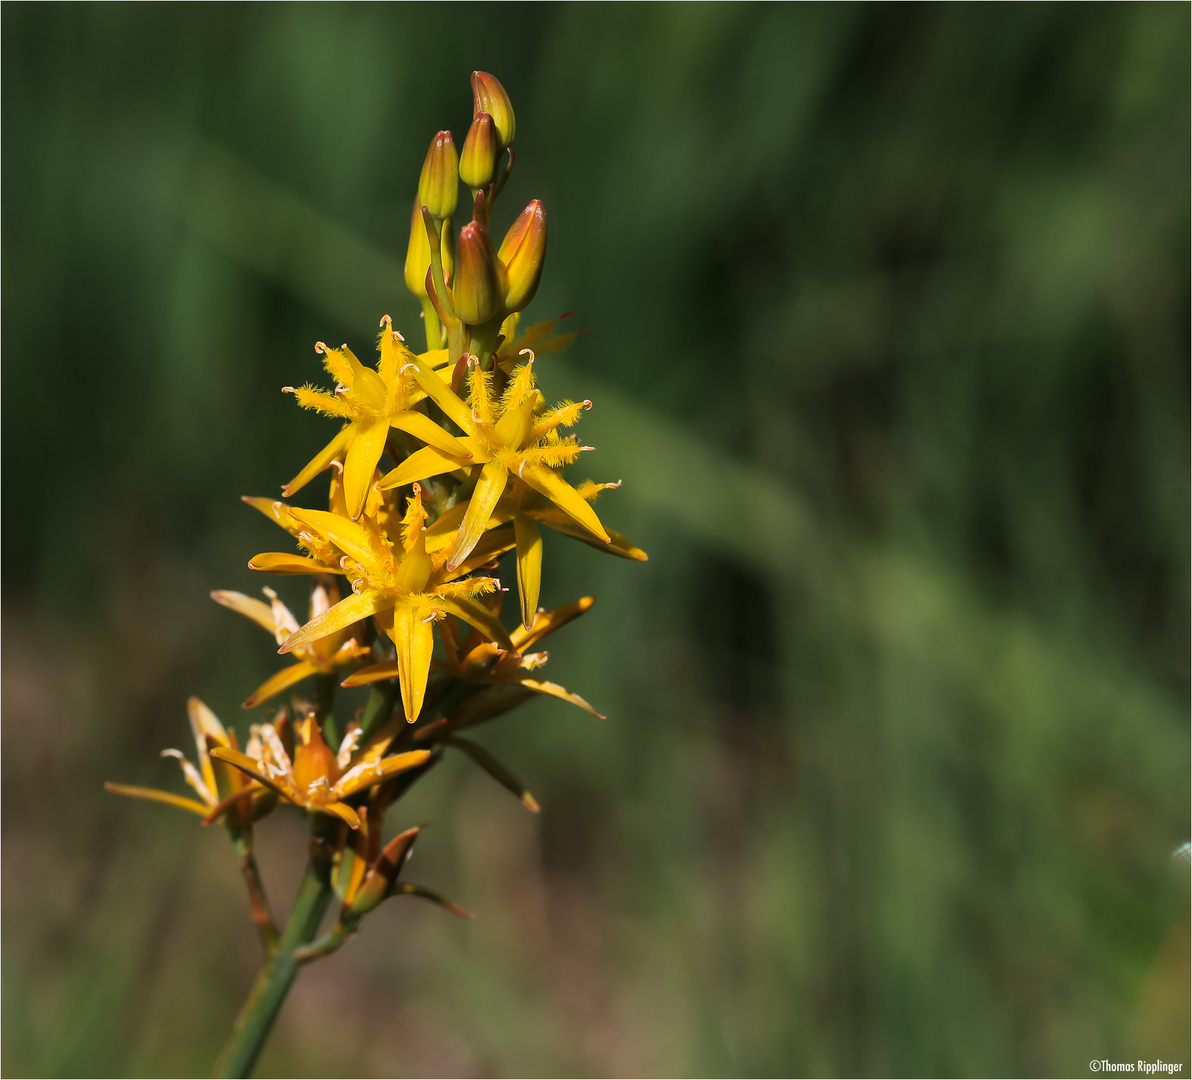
[[438, 186], [479, 287], [417, 254], [488, 96], [478, 162], [522, 253]]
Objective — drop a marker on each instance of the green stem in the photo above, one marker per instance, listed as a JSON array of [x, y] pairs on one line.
[[276, 976], [325, 686]]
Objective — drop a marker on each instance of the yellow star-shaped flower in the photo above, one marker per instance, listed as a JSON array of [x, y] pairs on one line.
[[514, 434], [372, 402], [405, 588]]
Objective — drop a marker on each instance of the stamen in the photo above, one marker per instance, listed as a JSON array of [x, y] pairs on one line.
[[531, 353], [406, 367], [385, 319], [320, 782], [174, 754], [344, 562], [288, 390], [431, 617], [476, 417], [338, 466], [340, 389], [320, 347], [587, 404], [587, 448], [521, 468], [397, 334]]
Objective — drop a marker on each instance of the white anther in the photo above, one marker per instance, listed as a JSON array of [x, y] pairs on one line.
[[431, 617], [586, 403], [340, 389], [320, 782], [174, 754], [338, 466], [273, 771], [320, 347], [476, 417], [406, 367], [344, 346], [530, 353], [587, 448], [616, 485], [288, 390], [521, 468], [397, 334], [385, 319], [307, 537], [358, 586]]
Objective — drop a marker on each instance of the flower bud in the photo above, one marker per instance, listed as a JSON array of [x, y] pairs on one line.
[[489, 96], [379, 880], [479, 287], [522, 253], [481, 150], [438, 186], [417, 254]]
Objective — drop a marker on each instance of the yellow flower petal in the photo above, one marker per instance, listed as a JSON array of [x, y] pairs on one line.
[[204, 722], [261, 614], [368, 443], [350, 610], [415, 640], [421, 465], [153, 795], [342, 811], [279, 681], [477, 615], [565, 497], [249, 766], [279, 562], [374, 673], [365, 775], [489, 489], [550, 621], [529, 566], [424, 428], [355, 539], [440, 393], [320, 461], [541, 686]]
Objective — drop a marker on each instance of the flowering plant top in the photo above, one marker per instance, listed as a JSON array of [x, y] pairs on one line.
[[405, 569]]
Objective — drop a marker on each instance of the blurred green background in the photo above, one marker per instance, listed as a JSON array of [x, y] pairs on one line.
[[889, 342]]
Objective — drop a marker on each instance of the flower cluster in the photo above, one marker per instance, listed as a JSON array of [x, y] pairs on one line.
[[406, 559]]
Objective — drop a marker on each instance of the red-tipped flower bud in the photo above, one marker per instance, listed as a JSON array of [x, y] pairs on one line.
[[438, 186], [479, 286], [522, 253], [481, 150], [488, 96]]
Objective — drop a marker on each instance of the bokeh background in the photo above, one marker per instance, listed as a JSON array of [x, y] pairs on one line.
[[889, 342]]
